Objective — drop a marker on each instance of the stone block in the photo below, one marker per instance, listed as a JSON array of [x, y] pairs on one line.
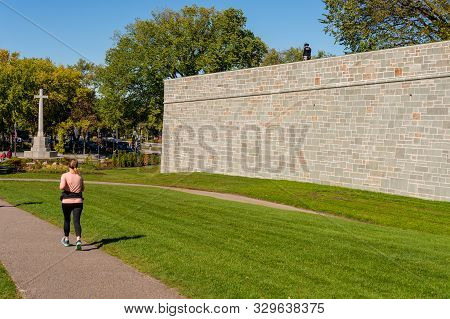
[[437, 110]]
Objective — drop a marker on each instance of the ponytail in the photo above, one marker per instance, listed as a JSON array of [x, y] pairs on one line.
[[73, 164]]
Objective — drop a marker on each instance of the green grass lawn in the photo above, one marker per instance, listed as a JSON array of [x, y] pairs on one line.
[[210, 248], [377, 208], [7, 288]]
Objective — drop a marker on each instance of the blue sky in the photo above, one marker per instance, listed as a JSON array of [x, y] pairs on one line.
[[88, 26]]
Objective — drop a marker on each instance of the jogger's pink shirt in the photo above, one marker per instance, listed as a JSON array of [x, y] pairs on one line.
[[73, 183]]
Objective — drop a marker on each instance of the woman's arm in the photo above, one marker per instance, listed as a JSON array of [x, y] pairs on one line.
[[82, 184], [63, 183]]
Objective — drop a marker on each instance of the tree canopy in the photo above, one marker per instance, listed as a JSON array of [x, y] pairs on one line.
[[365, 25], [290, 55], [21, 79], [171, 44]]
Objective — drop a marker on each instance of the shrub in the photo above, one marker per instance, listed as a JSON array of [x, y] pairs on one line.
[[152, 159], [52, 168], [89, 164], [19, 164], [105, 164], [115, 160], [123, 159]]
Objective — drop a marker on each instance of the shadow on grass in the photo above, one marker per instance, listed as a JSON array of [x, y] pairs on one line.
[[107, 241], [21, 204]]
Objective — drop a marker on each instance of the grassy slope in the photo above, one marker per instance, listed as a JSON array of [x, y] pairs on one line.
[[382, 209], [7, 287], [217, 249]]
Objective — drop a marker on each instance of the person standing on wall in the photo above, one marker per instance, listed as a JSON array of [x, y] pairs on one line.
[[306, 52]]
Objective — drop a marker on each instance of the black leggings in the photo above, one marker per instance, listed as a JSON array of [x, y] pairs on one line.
[[76, 210]]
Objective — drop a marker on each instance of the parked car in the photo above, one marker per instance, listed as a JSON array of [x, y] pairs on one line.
[[111, 144]]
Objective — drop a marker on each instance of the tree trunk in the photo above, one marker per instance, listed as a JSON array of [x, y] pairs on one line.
[[73, 144], [15, 140], [117, 137]]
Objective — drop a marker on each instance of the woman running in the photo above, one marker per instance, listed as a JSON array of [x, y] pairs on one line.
[[72, 201]]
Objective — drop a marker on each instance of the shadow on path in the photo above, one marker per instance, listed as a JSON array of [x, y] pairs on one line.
[[21, 204], [107, 241]]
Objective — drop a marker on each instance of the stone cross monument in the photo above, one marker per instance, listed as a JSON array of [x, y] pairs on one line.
[[41, 98], [40, 149]]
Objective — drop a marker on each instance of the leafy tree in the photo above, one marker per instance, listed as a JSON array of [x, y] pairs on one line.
[[7, 109], [111, 109], [88, 71], [82, 113], [82, 106], [170, 44], [85, 125], [63, 131], [24, 78], [292, 55], [231, 45], [20, 80], [288, 56], [364, 25], [272, 57], [322, 54]]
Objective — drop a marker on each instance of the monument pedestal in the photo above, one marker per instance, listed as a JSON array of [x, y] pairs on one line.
[[40, 149]]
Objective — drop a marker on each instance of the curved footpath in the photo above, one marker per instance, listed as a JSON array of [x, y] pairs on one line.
[[42, 268], [224, 196]]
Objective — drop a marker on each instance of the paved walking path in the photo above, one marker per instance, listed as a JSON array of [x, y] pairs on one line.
[[42, 268], [224, 196]]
